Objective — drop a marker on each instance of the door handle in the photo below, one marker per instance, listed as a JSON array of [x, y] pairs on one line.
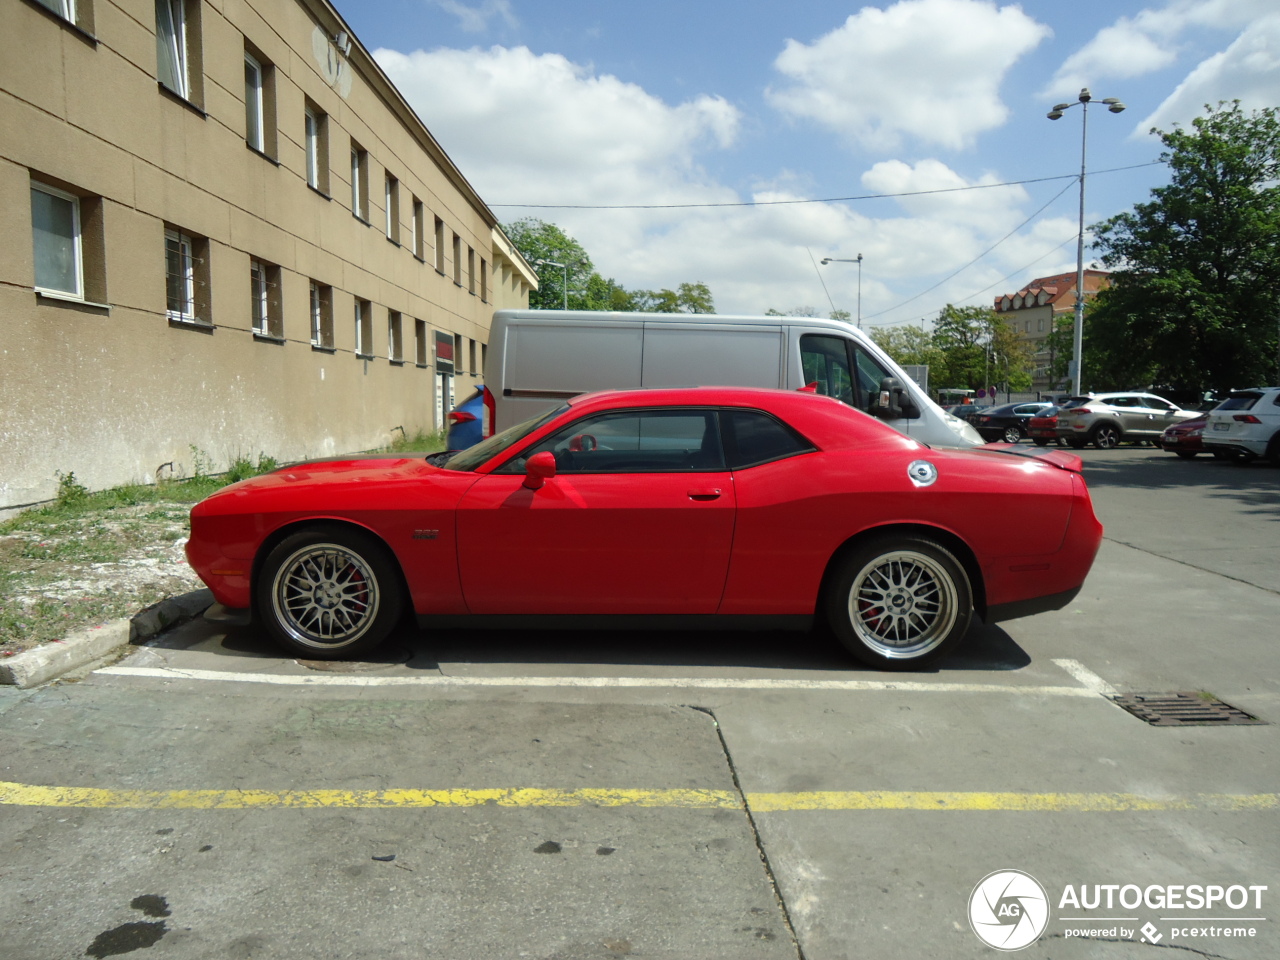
[[712, 494]]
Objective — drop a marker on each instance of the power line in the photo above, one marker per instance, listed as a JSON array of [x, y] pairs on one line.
[[780, 203]]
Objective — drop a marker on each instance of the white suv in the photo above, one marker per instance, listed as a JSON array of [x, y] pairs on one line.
[[1246, 425]]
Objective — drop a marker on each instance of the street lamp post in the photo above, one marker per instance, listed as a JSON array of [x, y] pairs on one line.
[[562, 266], [858, 261], [1115, 106]]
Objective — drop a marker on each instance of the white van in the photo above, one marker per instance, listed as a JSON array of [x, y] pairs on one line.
[[537, 359]]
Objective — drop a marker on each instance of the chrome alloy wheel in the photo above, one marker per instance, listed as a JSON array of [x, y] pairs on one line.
[[903, 604], [325, 594]]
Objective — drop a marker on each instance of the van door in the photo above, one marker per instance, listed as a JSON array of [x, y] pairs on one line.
[[704, 354], [841, 369]]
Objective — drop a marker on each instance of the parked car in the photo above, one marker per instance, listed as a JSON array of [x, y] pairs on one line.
[[470, 421], [1008, 422], [965, 411], [1109, 419], [1042, 428], [1184, 438], [715, 505], [1246, 425]]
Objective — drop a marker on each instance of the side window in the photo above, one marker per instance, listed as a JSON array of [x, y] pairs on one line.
[[870, 374], [825, 361], [752, 437], [636, 441], [1155, 403]]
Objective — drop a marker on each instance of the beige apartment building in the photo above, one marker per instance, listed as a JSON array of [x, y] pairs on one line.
[[223, 231], [1032, 311]]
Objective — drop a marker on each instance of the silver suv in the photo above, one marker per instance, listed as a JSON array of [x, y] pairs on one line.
[[1106, 419], [1246, 425]]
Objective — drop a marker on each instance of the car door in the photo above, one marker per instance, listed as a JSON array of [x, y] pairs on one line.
[[637, 520]]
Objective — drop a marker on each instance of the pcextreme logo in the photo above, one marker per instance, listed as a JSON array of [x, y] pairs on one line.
[[1008, 909]]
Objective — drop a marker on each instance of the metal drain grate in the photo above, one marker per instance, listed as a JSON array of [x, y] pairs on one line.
[[1184, 710]]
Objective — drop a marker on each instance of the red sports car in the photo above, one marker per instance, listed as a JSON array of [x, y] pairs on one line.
[[712, 506]]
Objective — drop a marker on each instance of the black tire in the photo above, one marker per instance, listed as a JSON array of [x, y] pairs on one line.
[[1011, 434], [329, 592], [924, 583], [1074, 443], [1273, 449], [1105, 436], [1186, 454], [1040, 441]]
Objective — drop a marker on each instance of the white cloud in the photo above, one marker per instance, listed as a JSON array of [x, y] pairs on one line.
[[526, 128], [476, 19], [1149, 41], [1248, 71], [927, 69]]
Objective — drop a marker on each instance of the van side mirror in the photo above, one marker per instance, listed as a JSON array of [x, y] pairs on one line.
[[538, 469], [894, 402]]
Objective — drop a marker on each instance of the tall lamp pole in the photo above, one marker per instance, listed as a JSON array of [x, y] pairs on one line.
[[565, 268], [1115, 106], [858, 261]]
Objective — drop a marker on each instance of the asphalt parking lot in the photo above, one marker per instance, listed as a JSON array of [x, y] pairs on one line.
[[517, 794]]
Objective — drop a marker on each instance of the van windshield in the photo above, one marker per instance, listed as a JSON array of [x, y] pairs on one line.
[[486, 450]]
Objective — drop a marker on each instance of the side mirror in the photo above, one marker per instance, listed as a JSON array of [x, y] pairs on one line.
[[538, 469], [894, 402]]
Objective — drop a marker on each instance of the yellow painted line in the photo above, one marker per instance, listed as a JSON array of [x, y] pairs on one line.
[[1045, 802], [25, 795]]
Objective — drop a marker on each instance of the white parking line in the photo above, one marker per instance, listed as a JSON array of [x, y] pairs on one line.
[[1087, 677], [701, 683]]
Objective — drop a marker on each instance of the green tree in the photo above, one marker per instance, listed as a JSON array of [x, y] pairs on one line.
[[909, 344], [540, 241], [977, 348], [1192, 302]]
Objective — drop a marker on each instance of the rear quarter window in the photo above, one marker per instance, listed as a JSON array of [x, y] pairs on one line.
[[752, 437]]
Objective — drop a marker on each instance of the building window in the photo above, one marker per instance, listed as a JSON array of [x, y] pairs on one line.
[[317, 138], [253, 108], [484, 280], [364, 329], [265, 306], [439, 245], [472, 349], [395, 338], [420, 342], [359, 182], [1040, 325], [484, 358], [1026, 327], [321, 316], [186, 277], [391, 194], [456, 356], [457, 259], [56, 241], [77, 12], [471, 271], [178, 47], [419, 227]]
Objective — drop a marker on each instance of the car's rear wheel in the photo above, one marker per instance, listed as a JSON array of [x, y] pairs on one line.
[[329, 592], [1040, 441], [1273, 449], [1186, 454], [1012, 434], [1075, 443], [1105, 436], [897, 603]]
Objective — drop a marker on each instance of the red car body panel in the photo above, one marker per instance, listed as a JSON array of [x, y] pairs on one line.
[[753, 541]]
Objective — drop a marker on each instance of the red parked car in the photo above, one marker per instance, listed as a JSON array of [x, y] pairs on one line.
[[1043, 427], [1185, 438], [714, 505]]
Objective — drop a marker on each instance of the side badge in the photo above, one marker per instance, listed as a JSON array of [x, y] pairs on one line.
[[922, 473]]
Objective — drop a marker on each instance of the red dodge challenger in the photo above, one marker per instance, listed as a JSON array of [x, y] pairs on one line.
[[702, 506]]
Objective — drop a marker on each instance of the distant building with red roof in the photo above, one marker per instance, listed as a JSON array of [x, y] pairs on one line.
[[1031, 313]]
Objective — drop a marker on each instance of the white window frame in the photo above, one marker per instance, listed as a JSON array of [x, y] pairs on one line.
[[390, 185], [260, 297], [313, 148], [177, 23], [317, 316], [395, 336], [66, 9], [355, 182], [186, 248], [254, 104], [77, 242], [364, 318]]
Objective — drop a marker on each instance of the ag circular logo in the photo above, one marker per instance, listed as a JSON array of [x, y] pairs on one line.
[[1008, 910]]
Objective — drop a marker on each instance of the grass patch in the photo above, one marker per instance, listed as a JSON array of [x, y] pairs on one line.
[[421, 442]]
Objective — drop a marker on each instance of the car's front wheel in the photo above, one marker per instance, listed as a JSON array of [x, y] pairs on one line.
[[329, 592], [897, 603], [1105, 436], [1040, 441]]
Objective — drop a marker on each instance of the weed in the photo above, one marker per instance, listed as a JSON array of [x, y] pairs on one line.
[[421, 442], [71, 493]]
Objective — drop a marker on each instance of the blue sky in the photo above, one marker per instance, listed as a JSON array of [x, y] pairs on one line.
[[662, 103]]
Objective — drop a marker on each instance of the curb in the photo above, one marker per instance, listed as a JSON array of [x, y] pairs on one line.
[[84, 647]]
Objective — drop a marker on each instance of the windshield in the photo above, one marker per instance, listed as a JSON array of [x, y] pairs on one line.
[[486, 450]]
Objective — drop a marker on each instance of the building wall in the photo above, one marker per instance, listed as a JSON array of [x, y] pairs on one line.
[[111, 387]]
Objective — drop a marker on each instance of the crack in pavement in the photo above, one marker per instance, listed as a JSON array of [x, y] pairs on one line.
[[1144, 943]]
